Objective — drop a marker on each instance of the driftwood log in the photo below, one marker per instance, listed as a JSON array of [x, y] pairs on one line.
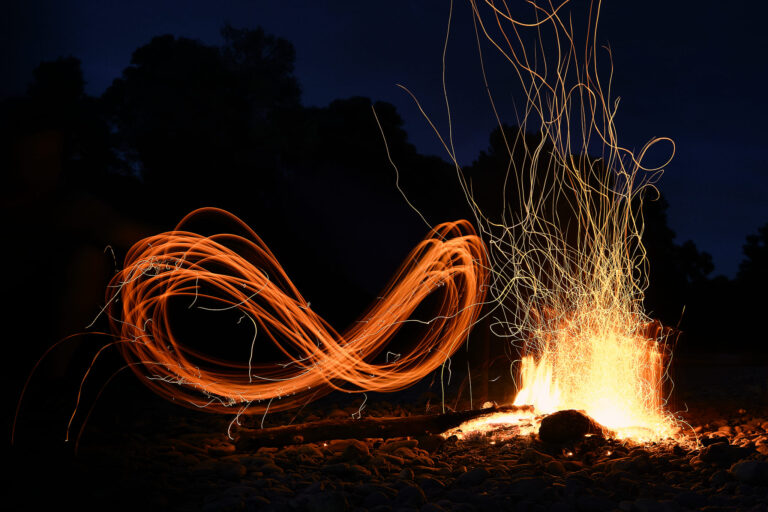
[[385, 427]]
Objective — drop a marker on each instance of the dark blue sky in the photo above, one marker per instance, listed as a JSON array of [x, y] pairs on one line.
[[691, 70]]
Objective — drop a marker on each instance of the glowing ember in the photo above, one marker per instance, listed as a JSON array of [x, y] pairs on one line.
[[500, 424]]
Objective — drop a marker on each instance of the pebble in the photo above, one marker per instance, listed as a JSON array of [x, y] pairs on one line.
[[556, 467], [719, 478], [751, 472], [431, 443], [472, 477], [723, 454], [411, 495], [431, 486]]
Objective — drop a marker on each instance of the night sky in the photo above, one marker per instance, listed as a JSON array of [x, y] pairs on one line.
[[692, 71]]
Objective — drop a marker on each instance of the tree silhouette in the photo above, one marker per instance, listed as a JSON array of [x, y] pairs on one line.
[[754, 268], [57, 120], [675, 271], [748, 300], [197, 123]]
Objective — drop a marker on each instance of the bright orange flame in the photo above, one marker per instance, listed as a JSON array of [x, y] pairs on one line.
[[449, 265], [615, 377]]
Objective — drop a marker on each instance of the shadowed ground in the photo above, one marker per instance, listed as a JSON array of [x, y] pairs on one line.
[[139, 452]]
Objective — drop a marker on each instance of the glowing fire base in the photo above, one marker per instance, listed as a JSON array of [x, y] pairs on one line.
[[615, 379]]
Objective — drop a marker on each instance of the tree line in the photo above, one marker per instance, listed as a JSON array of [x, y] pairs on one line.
[[189, 124]]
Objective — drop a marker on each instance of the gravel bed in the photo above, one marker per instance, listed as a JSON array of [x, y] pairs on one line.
[[161, 457]]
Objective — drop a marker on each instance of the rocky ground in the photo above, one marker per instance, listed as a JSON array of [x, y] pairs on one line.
[[155, 456]]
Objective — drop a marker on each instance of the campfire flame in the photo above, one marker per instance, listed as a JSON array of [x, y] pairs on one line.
[[616, 379], [568, 267]]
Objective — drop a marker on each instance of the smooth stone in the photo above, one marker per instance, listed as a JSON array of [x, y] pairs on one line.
[[719, 478], [431, 442], [357, 451], [271, 469], [431, 486], [472, 477], [391, 446], [751, 471], [555, 467], [411, 495], [343, 469], [375, 499], [723, 454], [221, 449], [531, 455]]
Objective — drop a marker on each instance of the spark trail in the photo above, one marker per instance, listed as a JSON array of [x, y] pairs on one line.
[[230, 271]]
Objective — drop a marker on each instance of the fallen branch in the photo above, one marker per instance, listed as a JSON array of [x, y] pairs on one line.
[[324, 430]]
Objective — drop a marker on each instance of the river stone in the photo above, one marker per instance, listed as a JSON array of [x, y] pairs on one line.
[[751, 472], [411, 495], [568, 426], [356, 451], [473, 477], [375, 499], [724, 454], [431, 442], [555, 467]]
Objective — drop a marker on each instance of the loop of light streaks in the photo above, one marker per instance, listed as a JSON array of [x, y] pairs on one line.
[[239, 272]]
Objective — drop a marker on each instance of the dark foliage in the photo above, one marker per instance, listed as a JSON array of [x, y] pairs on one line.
[[184, 112]]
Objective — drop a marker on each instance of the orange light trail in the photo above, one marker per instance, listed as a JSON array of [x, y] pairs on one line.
[[239, 272]]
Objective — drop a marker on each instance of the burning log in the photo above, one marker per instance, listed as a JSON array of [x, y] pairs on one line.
[[385, 427], [567, 426]]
